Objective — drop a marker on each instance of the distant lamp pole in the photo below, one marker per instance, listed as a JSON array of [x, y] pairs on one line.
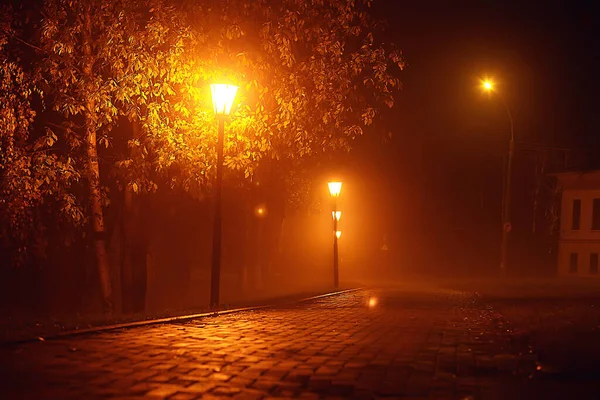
[[261, 213], [506, 224], [335, 188], [222, 97]]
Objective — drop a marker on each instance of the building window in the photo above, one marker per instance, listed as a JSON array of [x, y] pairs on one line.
[[593, 263], [573, 263], [576, 215], [596, 215]]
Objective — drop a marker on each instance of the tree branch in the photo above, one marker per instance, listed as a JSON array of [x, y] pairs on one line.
[[23, 41], [63, 127]]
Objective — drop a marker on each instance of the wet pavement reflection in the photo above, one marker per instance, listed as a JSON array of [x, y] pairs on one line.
[[408, 341]]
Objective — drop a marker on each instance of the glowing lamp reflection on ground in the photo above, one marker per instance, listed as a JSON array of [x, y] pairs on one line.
[[372, 302]]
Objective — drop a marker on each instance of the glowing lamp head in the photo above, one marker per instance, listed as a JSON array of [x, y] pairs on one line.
[[338, 234], [488, 85], [223, 96], [335, 188], [336, 215]]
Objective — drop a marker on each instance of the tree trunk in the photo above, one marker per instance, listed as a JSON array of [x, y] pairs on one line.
[[247, 252], [278, 209], [140, 274], [134, 255], [134, 248], [126, 259], [93, 175], [259, 259], [277, 250], [99, 237]]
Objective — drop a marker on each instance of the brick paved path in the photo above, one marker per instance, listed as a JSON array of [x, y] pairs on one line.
[[415, 344]]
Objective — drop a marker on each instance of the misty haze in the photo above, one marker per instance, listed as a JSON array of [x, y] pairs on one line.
[[262, 199]]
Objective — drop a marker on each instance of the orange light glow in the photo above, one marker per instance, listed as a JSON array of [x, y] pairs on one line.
[[335, 188], [488, 85], [223, 96], [338, 234], [336, 215], [260, 211], [372, 302]]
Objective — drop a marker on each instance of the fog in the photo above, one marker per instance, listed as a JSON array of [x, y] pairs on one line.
[[430, 232]]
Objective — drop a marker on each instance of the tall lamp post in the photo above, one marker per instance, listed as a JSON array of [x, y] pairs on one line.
[[506, 224], [335, 188], [222, 97]]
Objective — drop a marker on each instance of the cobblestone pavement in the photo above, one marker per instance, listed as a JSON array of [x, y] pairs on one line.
[[388, 343]]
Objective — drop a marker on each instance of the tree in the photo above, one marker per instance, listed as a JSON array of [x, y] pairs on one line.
[[313, 73], [31, 176], [315, 79], [320, 78], [72, 74]]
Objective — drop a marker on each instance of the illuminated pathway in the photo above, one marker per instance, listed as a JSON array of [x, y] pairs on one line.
[[416, 344]]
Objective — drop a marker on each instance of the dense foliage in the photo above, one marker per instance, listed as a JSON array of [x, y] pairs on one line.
[[116, 94]]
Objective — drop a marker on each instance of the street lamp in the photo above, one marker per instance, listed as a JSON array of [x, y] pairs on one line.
[[222, 97], [506, 224], [335, 188], [261, 213]]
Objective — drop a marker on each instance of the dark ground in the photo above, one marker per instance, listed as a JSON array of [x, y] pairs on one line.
[[467, 340], [559, 317], [15, 328]]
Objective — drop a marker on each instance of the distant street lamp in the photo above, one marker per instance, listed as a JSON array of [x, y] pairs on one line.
[[335, 188], [222, 96], [261, 213], [338, 234], [506, 224]]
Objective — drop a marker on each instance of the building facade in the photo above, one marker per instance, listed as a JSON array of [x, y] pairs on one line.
[[579, 243]]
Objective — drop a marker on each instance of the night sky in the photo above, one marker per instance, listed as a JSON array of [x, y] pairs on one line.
[[543, 57]]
